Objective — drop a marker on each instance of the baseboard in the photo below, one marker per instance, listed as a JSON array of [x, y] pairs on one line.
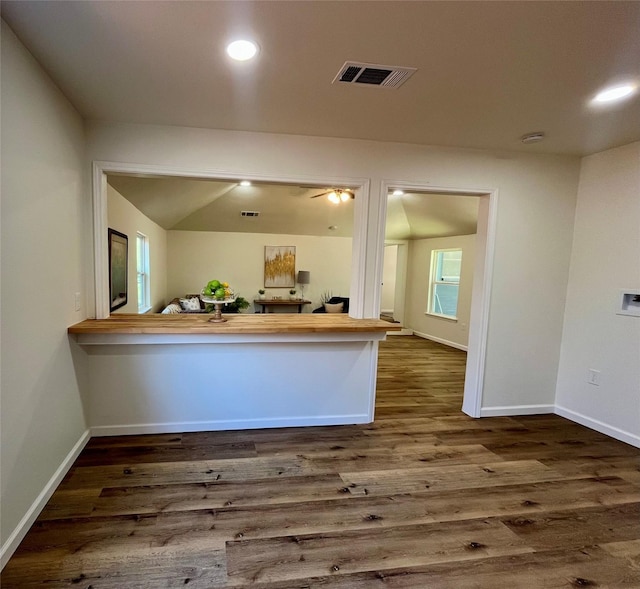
[[387, 311], [222, 425], [403, 331], [599, 426], [14, 539], [441, 341], [511, 410]]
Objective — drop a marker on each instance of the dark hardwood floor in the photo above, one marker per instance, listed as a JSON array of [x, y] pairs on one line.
[[425, 498]]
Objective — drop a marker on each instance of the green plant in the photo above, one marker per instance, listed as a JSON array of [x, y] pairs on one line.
[[326, 296], [292, 291], [236, 307], [261, 291]]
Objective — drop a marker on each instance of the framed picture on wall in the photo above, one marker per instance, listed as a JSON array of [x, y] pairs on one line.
[[279, 266], [118, 252]]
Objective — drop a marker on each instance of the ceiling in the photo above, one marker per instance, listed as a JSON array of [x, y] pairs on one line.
[[487, 72], [214, 205]]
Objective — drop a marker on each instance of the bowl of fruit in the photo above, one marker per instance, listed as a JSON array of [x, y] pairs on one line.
[[216, 291], [217, 294]]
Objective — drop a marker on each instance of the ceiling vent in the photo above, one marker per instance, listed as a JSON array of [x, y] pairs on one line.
[[249, 213], [373, 75]]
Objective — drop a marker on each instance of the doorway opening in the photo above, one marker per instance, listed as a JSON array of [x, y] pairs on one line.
[[420, 224]]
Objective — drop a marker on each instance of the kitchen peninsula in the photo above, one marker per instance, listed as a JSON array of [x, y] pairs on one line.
[[173, 373]]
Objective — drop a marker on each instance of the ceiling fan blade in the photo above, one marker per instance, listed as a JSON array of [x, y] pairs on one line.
[[338, 191]]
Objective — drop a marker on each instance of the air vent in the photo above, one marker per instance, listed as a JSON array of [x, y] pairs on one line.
[[373, 75], [249, 213]]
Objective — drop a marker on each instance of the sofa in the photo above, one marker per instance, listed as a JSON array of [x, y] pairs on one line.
[[333, 306], [190, 303]]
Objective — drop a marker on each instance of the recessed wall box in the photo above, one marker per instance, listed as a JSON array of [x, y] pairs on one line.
[[629, 303]]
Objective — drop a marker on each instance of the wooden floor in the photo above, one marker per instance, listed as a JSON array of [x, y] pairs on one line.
[[425, 498]]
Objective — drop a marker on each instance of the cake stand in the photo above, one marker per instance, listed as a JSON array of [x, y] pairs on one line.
[[217, 306]]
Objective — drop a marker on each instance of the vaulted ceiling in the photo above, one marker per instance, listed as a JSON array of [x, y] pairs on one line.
[[487, 72], [213, 205]]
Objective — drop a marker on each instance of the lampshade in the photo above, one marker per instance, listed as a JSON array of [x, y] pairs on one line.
[[304, 276]]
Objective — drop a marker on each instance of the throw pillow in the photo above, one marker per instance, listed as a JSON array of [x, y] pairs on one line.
[[333, 308], [192, 304], [172, 308]]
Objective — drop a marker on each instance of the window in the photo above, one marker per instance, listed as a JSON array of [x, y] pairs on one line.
[[142, 267], [445, 282]]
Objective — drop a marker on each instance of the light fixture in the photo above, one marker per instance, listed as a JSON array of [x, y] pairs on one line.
[[242, 50], [338, 195], [398, 192], [245, 183], [535, 137], [304, 277], [614, 93]]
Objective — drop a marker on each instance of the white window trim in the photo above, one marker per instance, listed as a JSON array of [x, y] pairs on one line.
[[147, 276], [440, 316], [434, 253]]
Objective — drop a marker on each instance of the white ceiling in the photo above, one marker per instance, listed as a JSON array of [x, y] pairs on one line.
[[215, 205], [488, 72]]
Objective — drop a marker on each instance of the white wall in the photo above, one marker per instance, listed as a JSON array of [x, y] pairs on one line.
[[236, 382], [437, 328], [605, 259], [44, 218], [196, 257], [127, 219], [389, 271], [535, 215]]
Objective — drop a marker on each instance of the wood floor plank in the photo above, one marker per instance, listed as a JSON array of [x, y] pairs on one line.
[[626, 467], [398, 481], [628, 550], [575, 528], [198, 471], [164, 453], [297, 557], [155, 567], [135, 440], [567, 448], [70, 502], [571, 569], [195, 496]]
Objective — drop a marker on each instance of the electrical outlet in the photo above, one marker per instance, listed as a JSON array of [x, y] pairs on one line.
[[594, 377], [77, 301]]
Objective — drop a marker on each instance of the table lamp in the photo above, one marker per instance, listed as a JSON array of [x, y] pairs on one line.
[[304, 277]]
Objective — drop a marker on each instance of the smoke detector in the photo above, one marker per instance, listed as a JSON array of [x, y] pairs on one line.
[[532, 137], [369, 74]]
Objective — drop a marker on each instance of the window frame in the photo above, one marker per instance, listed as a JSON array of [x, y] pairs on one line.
[[143, 274], [433, 282]]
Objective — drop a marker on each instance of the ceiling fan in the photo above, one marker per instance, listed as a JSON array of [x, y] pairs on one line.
[[337, 195]]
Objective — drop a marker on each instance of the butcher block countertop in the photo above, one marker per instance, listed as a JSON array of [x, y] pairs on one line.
[[275, 323]]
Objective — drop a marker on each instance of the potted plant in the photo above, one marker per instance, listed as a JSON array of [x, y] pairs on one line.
[[261, 294], [237, 306], [292, 294]]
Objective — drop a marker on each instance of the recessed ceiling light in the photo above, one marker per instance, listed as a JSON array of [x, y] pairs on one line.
[[532, 137], [242, 50], [614, 93], [398, 192], [245, 183]]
